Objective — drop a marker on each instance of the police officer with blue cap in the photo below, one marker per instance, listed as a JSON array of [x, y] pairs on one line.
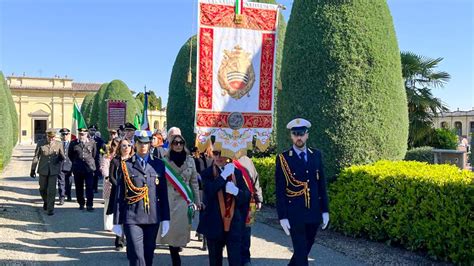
[[141, 202], [301, 195]]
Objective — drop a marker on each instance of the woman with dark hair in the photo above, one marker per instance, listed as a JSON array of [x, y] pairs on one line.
[[182, 167], [124, 152]]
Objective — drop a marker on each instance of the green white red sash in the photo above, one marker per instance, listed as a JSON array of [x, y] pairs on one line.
[[179, 185]]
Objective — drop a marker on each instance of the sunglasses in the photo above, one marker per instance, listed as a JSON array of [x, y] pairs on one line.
[[298, 133], [216, 153], [126, 145], [178, 142]]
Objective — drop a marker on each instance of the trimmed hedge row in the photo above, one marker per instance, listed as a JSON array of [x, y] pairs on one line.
[[9, 128], [417, 205], [413, 204], [420, 154]]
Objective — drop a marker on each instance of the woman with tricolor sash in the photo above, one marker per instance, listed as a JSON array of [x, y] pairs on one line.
[[183, 196]]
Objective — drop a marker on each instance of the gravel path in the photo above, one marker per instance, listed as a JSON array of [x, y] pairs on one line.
[[74, 237]]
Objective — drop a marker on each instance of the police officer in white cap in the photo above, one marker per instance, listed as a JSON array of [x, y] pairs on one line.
[[301, 196]]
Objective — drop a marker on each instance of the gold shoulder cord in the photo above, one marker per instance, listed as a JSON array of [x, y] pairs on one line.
[[290, 179], [139, 192]]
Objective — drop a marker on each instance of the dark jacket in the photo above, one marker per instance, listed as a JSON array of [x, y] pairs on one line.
[[154, 172], [66, 164], [82, 156], [294, 208], [113, 173], [158, 152], [210, 223]]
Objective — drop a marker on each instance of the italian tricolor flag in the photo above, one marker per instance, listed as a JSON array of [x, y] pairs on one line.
[[77, 121]]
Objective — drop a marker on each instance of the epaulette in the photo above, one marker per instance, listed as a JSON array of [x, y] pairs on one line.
[[133, 159], [289, 151]]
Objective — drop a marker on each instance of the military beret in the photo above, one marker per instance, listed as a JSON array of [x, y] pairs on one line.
[[298, 124], [51, 131], [143, 136]]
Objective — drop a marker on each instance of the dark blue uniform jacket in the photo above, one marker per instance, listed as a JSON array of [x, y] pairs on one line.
[[293, 208], [125, 213], [210, 223]]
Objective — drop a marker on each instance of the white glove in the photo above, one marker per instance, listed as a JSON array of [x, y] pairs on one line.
[[285, 224], [228, 170], [325, 220], [117, 229], [165, 227], [231, 188]]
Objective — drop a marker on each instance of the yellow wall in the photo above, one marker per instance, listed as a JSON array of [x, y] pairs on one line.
[[54, 97], [157, 120]]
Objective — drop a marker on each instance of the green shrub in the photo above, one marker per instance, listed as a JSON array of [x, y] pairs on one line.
[[86, 107], [95, 110], [420, 154], [420, 206], [116, 90], [342, 71], [6, 134], [445, 139], [266, 172]]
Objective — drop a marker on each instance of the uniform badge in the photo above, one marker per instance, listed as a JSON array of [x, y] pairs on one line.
[[236, 75], [157, 180]]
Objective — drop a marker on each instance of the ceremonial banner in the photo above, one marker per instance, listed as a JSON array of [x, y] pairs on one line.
[[116, 113], [235, 74]]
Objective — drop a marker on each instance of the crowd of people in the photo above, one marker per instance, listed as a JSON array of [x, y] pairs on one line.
[[155, 190]]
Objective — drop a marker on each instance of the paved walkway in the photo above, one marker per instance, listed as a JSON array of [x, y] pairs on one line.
[[74, 237]]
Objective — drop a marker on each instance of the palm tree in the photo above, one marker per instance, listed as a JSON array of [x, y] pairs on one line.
[[420, 77]]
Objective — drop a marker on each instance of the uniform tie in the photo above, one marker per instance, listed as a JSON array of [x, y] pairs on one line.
[[143, 164], [302, 156]]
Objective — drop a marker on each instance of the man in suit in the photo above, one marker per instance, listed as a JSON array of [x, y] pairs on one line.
[[142, 202], [301, 195], [48, 157], [226, 200], [82, 153], [65, 175]]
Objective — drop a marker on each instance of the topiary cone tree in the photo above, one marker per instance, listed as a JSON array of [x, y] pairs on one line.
[[116, 90], [86, 107], [341, 70], [181, 106]]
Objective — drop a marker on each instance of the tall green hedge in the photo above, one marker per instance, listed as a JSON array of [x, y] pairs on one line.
[[116, 90], [266, 174], [417, 205], [97, 102], [181, 95], [6, 130], [341, 70], [13, 113], [86, 107]]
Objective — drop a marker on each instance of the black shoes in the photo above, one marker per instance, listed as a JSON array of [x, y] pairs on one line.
[[90, 208], [81, 207], [51, 213], [68, 198]]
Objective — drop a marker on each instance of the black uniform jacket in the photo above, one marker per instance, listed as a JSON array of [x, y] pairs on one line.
[[154, 177], [210, 223], [82, 156], [294, 208]]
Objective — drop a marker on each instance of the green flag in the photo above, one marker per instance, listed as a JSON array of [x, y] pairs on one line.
[[77, 120]]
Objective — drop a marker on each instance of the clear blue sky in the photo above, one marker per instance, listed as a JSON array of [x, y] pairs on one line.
[[137, 40]]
